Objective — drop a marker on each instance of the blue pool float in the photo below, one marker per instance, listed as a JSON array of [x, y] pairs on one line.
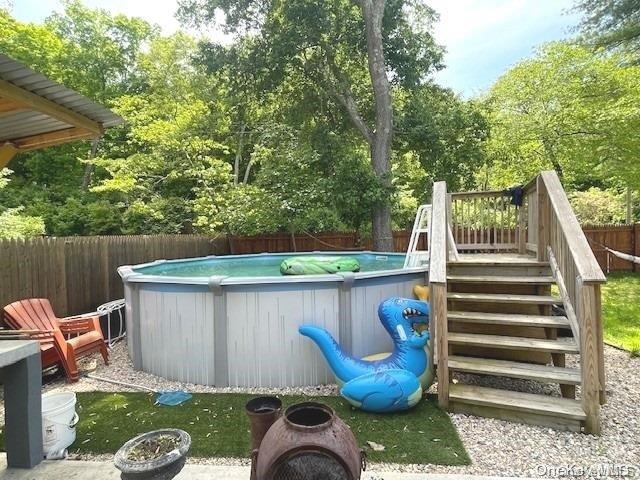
[[391, 384]]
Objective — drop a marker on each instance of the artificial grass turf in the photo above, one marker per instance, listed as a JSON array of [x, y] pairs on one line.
[[621, 311], [219, 426]]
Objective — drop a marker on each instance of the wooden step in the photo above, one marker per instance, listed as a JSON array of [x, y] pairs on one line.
[[524, 402], [509, 319], [503, 270], [497, 262], [514, 343], [504, 298], [504, 368], [493, 279]]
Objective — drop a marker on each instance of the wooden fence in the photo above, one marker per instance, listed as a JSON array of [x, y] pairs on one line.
[[304, 242], [623, 238], [79, 273]]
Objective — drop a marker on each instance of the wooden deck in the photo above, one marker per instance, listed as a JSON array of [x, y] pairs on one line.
[[493, 311], [496, 258]]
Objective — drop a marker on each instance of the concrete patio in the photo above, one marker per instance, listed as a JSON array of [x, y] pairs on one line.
[[76, 470]]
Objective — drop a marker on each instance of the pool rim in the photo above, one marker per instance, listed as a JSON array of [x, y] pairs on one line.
[[129, 273]]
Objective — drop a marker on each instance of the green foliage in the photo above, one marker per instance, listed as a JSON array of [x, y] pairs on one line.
[[595, 206], [12, 223], [445, 134], [15, 225], [256, 136], [94, 53], [570, 110], [100, 50], [315, 59], [322, 40]]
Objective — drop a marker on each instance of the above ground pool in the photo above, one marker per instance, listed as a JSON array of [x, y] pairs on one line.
[[233, 320], [264, 265]]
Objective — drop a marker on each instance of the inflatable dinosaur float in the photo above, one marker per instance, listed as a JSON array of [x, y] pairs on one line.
[[308, 265], [393, 383]]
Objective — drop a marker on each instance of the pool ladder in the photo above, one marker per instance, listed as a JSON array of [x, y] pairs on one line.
[[422, 223]]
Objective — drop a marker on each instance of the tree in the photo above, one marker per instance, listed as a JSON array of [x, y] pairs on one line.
[[172, 148], [612, 24], [594, 206], [567, 109], [445, 135], [253, 137], [13, 224], [339, 47], [105, 49]]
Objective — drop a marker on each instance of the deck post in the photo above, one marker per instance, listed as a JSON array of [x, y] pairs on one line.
[[600, 327], [438, 252], [589, 354], [439, 309], [544, 215], [522, 230]]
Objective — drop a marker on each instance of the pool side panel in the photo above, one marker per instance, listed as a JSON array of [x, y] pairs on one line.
[[369, 336], [177, 332], [265, 348], [132, 317]]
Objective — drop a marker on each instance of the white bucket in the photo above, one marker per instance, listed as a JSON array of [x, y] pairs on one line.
[[59, 420]]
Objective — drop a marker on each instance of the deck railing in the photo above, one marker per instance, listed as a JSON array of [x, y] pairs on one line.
[[560, 239], [438, 253], [485, 221]]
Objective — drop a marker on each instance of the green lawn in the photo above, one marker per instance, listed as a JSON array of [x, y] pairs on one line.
[[621, 311], [219, 427]]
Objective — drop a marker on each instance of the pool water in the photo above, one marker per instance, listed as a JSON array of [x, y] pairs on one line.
[[259, 265]]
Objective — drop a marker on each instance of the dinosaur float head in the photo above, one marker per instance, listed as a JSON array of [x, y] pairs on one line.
[[406, 320]]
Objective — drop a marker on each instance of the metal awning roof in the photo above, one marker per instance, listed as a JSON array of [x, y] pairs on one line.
[[36, 112]]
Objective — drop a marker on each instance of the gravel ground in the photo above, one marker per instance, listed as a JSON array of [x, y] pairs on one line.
[[495, 447]]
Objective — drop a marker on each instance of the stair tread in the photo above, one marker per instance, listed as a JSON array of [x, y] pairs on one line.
[[528, 279], [506, 368], [525, 402], [507, 262], [505, 298], [555, 321], [514, 343]]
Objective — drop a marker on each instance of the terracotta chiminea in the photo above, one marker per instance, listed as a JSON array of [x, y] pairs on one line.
[[309, 442]]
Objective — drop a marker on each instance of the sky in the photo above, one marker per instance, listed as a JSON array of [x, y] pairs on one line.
[[483, 38]]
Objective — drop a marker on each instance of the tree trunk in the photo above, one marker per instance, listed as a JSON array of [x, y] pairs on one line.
[[381, 215], [554, 160], [236, 166], [89, 167], [372, 12]]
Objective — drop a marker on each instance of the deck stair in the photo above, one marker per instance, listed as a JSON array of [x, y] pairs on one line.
[[502, 335], [516, 310]]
